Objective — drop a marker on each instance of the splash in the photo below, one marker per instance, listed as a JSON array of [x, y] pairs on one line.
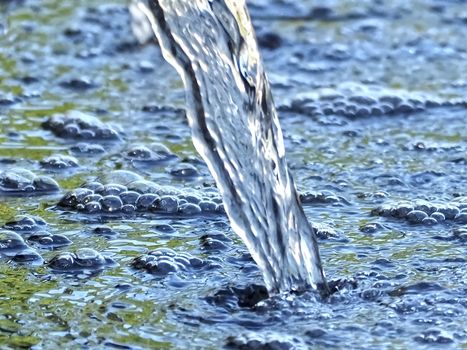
[[236, 130]]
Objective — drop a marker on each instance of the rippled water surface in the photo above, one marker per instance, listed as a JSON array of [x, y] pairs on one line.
[[372, 99]]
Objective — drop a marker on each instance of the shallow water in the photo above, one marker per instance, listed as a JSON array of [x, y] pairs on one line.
[[353, 154]]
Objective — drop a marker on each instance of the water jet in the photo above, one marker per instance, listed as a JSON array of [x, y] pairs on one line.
[[235, 128]]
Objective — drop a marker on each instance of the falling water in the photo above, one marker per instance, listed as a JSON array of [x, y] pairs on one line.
[[235, 128]]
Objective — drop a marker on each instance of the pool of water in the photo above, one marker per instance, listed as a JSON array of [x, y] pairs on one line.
[[373, 101]]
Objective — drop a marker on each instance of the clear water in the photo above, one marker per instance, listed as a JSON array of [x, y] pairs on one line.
[[320, 59], [236, 130]]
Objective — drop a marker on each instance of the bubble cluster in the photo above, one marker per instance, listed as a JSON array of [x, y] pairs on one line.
[[84, 259], [139, 196], [47, 240], [26, 224], [163, 261], [19, 181], [87, 149], [367, 104], [426, 213], [77, 125], [14, 248], [155, 153], [35, 230], [260, 341], [59, 161], [323, 197]]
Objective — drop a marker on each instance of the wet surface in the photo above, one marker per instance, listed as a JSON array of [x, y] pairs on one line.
[[372, 99]]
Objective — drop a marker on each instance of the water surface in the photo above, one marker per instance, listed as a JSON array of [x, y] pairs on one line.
[[372, 104]]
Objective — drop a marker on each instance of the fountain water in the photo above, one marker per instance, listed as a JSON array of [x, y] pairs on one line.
[[235, 128]]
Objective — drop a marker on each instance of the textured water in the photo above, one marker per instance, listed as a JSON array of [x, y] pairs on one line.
[[371, 98], [236, 130]]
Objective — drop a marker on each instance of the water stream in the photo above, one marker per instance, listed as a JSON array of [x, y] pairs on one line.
[[112, 230], [236, 130]]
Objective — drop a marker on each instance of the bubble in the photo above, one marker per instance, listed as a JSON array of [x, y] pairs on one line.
[[164, 261], [168, 204], [147, 201], [11, 241], [189, 209], [416, 216], [59, 162], [207, 206], [184, 171], [111, 204], [83, 259], [78, 125], [27, 256], [129, 197], [439, 217], [113, 189]]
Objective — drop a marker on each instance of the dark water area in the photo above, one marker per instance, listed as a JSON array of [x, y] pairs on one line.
[[113, 232]]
